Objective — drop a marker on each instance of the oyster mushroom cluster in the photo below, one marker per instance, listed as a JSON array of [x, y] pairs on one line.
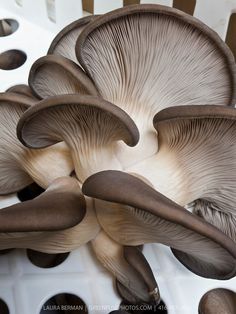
[[139, 103]]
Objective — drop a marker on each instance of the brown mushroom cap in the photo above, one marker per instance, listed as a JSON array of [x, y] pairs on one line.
[[64, 43], [201, 247], [56, 75], [144, 58], [20, 166], [60, 207], [89, 125], [157, 20], [218, 301], [75, 109]]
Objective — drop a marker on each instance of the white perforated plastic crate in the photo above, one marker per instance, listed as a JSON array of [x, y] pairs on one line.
[[25, 287]]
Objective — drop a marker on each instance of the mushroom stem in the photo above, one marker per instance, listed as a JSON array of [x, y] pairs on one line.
[[91, 158]]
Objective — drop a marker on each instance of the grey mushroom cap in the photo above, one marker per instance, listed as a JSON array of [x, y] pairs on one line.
[[155, 57], [76, 119], [218, 301], [146, 216], [55, 75]]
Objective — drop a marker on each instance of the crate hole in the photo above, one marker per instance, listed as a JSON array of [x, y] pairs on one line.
[[65, 303], [128, 2], [30, 192], [3, 307], [44, 260], [187, 6], [12, 59], [231, 34], [8, 27], [161, 308]]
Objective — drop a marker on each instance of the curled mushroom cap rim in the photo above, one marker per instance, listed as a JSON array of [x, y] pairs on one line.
[[76, 99], [160, 9], [194, 112], [17, 99]]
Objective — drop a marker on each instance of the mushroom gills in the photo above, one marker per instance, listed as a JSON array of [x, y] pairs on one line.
[[89, 125], [145, 216], [139, 59]]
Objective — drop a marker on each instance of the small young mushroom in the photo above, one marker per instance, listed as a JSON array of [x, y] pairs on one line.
[[146, 216], [20, 166], [89, 125], [128, 266], [64, 43], [196, 161], [55, 75], [218, 301], [144, 58]]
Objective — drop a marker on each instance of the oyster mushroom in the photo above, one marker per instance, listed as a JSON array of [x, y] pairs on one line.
[[21, 166], [64, 43], [196, 161], [148, 216], [144, 58], [57, 218], [55, 75], [218, 301], [89, 125]]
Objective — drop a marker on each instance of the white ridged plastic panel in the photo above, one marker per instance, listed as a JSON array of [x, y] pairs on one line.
[[25, 287]]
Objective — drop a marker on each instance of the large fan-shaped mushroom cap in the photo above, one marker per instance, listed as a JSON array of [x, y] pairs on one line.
[[89, 125], [59, 232], [20, 166], [144, 58], [151, 217], [196, 161]]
